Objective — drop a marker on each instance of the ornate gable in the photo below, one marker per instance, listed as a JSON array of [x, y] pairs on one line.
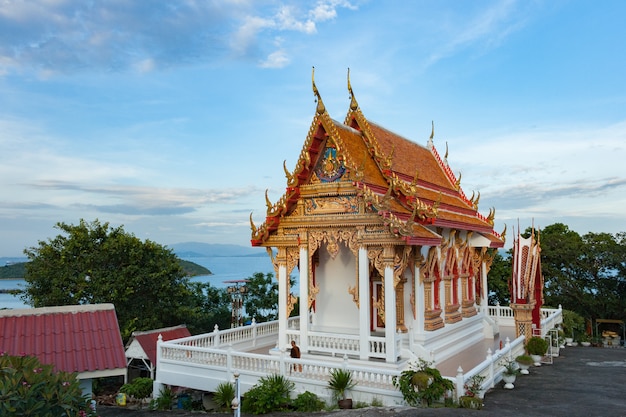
[[360, 174]]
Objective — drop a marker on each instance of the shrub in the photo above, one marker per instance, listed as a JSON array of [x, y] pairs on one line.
[[271, 393], [421, 385], [308, 402], [340, 383], [165, 401], [536, 346], [28, 388], [224, 395], [139, 388], [377, 402]]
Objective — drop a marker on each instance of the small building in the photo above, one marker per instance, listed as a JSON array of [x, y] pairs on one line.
[[141, 350], [84, 339]]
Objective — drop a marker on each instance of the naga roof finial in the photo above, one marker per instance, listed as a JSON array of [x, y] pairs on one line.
[[320, 104], [432, 135], [353, 104]]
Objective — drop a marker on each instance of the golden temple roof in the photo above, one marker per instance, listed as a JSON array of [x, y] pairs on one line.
[[409, 186]]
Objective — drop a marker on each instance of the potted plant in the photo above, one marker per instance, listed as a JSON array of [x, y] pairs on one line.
[[524, 362], [340, 383], [421, 385], [584, 339], [536, 348], [474, 393], [573, 323], [509, 374]]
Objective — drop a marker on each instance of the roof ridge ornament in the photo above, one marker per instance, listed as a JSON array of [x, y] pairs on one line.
[[353, 103], [432, 136], [320, 104]]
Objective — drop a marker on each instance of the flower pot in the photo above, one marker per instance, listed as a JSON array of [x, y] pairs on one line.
[[586, 344], [569, 340], [524, 368], [508, 381], [345, 404], [536, 359]]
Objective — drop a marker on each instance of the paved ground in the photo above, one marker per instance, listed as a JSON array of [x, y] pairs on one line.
[[583, 381]]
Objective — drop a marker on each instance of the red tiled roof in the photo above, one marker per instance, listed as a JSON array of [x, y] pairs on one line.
[[148, 339], [78, 338]]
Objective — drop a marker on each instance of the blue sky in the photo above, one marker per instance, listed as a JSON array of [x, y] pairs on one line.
[[173, 118]]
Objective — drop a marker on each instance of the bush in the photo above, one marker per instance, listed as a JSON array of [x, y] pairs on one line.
[[139, 388], [224, 395], [308, 402], [340, 383], [421, 385], [165, 401], [28, 388], [536, 346], [271, 393]]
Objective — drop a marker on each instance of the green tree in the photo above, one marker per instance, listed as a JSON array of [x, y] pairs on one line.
[[498, 279], [94, 263], [261, 300]]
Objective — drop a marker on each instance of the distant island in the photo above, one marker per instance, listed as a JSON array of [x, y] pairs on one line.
[[16, 270]]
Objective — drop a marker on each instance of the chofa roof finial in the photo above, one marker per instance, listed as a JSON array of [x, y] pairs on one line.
[[432, 135], [320, 104], [353, 104]]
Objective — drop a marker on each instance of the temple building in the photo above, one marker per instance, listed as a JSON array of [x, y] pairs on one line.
[[390, 254]]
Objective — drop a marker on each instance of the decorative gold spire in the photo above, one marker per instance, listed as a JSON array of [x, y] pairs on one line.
[[320, 104], [457, 185], [252, 225], [268, 203], [291, 178], [491, 216], [430, 143], [353, 104]]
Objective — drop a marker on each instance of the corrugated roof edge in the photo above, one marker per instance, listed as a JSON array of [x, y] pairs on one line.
[[57, 309]]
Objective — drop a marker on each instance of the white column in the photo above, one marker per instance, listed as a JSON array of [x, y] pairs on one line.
[[364, 303], [304, 299], [282, 306], [484, 301], [420, 302], [390, 315]]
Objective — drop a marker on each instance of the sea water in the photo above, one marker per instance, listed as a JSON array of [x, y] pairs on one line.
[[223, 268]]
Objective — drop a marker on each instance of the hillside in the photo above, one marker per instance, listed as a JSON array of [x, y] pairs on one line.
[[198, 249], [17, 270], [13, 270]]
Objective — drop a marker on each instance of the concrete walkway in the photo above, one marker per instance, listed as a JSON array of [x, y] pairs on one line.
[[582, 381]]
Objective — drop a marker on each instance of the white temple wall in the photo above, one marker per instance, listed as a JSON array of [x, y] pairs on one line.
[[335, 310]]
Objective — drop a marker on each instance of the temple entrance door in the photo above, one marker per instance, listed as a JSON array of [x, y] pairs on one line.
[[378, 324]]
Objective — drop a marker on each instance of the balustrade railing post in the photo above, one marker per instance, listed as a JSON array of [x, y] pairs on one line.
[[507, 344], [216, 336], [491, 370], [460, 384], [498, 312], [253, 332], [344, 365], [282, 364], [229, 362]]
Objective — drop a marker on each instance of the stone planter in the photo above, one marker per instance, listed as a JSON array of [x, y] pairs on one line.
[[508, 381], [345, 404], [523, 368], [536, 359]]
